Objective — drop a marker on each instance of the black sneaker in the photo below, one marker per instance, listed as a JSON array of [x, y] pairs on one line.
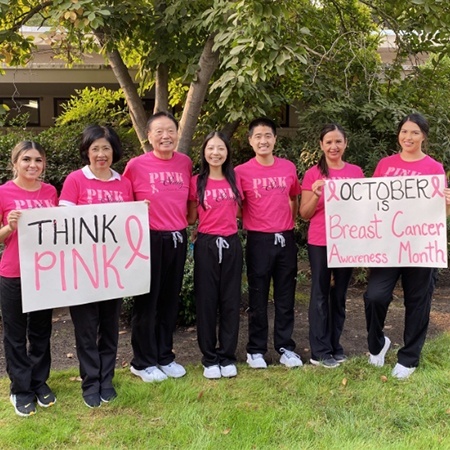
[[46, 399], [340, 358], [92, 400], [328, 363], [108, 395], [23, 410]]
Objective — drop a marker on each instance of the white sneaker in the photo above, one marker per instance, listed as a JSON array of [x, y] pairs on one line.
[[229, 371], [401, 372], [290, 358], [149, 374], [378, 360], [212, 372], [173, 370], [256, 361]]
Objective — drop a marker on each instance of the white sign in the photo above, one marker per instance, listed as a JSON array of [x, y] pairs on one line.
[[386, 222], [82, 254]]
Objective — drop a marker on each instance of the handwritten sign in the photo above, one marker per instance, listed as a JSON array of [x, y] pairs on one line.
[[82, 254], [386, 222]]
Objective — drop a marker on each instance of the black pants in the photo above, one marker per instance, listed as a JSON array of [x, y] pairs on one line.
[[418, 286], [155, 314], [96, 336], [268, 259], [327, 304], [217, 286], [26, 337]]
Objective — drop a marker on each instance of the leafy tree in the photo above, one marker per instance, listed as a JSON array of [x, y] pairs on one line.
[[238, 54], [244, 41]]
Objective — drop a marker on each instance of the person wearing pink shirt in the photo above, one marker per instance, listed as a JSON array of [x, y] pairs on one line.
[[162, 177], [417, 282], [327, 302], [214, 199], [271, 188], [97, 324], [26, 336]]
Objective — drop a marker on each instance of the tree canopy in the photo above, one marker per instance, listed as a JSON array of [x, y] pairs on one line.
[[227, 61]]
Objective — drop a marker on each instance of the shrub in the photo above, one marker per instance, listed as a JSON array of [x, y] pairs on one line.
[[91, 105], [7, 143], [187, 314], [127, 309]]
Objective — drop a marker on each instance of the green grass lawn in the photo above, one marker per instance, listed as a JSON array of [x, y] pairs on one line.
[[355, 406]]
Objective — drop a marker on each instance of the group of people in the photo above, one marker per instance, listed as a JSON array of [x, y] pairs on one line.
[[264, 192]]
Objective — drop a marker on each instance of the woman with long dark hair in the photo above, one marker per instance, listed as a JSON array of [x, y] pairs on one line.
[[327, 301], [215, 199]]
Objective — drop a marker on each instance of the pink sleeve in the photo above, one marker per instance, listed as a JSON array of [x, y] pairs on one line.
[[378, 169], [239, 186], [70, 190], [309, 178], [296, 189], [193, 189]]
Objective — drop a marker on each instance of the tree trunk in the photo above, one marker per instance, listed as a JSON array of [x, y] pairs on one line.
[[162, 89], [208, 63], [230, 128], [137, 112]]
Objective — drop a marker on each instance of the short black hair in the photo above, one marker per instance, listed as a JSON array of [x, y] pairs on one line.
[[159, 115], [93, 132], [262, 121]]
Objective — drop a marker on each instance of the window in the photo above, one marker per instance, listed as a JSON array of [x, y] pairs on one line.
[[20, 106], [284, 116], [57, 106]]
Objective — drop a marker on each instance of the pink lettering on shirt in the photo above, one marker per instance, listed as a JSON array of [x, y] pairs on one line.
[[219, 218], [268, 191], [165, 183], [13, 197]]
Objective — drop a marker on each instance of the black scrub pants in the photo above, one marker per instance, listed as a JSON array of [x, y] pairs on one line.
[[327, 304], [26, 338], [155, 314], [271, 256], [96, 337], [418, 285], [217, 287]]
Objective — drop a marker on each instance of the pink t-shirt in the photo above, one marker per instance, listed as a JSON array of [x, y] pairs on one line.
[[82, 188], [219, 217], [316, 230], [13, 197], [267, 191], [165, 182], [395, 166]]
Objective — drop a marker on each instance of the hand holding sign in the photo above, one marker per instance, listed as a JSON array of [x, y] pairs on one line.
[[386, 222], [76, 255]]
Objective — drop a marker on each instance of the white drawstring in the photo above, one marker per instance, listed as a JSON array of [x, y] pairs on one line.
[[177, 237], [221, 243], [279, 239]]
